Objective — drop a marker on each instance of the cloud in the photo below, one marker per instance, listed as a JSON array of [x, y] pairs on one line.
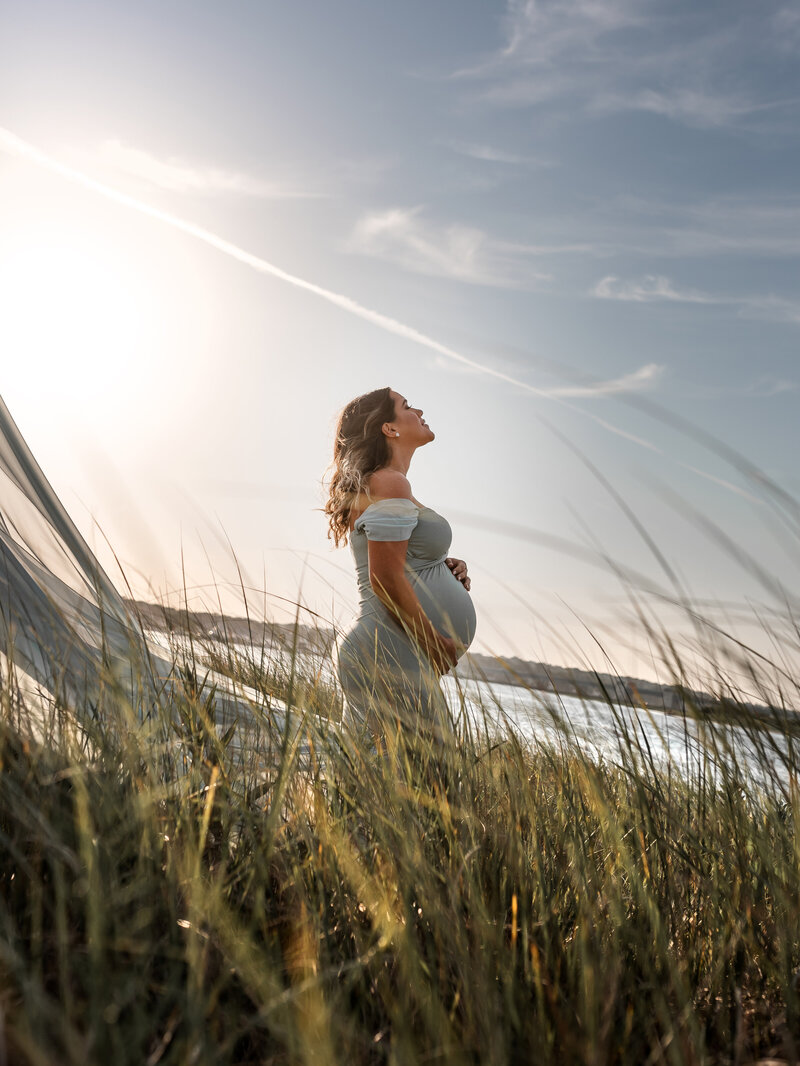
[[741, 225], [177, 176], [763, 387], [541, 32], [401, 235], [17, 147], [693, 107], [621, 55], [786, 27], [653, 288], [486, 153], [766, 387], [641, 380], [764, 228], [770, 309]]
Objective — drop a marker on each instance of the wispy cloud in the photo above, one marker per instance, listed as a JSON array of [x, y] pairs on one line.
[[786, 26], [538, 34], [15, 146], [647, 290], [766, 387], [642, 380], [620, 55], [645, 379], [740, 225], [771, 308], [404, 236], [487, 153], [653, 288], [177, 175], [773, 387], [693, 107]]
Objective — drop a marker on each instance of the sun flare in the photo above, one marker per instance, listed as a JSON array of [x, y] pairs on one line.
[[71, 319]]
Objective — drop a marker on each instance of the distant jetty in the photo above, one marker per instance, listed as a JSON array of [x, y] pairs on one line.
[[493, 669]]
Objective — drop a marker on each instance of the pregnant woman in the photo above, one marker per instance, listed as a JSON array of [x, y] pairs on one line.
[[415, 613]]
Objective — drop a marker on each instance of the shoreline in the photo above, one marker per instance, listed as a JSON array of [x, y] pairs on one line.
[[512, 671]]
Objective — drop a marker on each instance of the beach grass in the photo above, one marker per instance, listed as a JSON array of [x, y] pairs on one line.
[[178, 892]]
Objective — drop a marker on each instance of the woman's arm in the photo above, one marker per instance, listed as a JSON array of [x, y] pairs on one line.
[[387, 576]]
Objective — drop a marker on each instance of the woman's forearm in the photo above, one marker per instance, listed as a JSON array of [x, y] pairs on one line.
[[402, 602]]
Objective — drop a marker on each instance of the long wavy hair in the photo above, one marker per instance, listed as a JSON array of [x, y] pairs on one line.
[[359, 450]]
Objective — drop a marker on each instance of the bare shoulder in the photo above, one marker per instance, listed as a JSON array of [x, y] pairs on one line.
[[382, 485], [389, 485]]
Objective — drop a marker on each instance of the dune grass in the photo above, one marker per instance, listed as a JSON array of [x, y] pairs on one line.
[[176, 893]]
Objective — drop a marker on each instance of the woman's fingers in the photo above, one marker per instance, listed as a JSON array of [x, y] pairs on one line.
[[444, 653], [459, 568]]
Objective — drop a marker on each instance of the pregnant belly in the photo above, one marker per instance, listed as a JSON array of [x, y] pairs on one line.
[[446, 602]]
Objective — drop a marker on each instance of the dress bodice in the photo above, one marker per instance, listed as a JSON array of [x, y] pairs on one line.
[[443, 597], [429, 535]]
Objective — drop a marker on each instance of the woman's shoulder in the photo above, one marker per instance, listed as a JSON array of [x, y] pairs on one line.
[[389, 485], [387, 498]]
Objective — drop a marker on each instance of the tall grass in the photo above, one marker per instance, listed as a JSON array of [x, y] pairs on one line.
[[180, 891]]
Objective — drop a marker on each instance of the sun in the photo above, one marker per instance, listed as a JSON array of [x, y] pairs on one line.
[[72, 315]]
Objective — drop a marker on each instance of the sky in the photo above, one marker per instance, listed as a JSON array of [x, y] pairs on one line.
[[569, 231]]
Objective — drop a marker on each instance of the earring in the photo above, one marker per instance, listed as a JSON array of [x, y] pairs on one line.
[[396, 433]]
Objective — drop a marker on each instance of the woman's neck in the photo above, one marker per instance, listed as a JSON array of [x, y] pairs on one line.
[[400, 459]]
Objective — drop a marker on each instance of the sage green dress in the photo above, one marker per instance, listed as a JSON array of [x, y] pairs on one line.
[[382, 670]]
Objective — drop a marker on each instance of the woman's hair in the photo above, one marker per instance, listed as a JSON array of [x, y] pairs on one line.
[[359, 450]]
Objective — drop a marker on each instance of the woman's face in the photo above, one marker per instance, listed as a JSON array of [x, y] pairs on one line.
[[409, 423]]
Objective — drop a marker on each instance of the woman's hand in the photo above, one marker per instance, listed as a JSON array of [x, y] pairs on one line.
[[444, 654], [391, 585], [459, 571]]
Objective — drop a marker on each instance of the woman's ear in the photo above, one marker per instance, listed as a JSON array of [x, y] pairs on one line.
[[388, 430]]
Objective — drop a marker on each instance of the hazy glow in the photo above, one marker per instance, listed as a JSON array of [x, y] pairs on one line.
[[176, 339], [70, 317], [633, 382]]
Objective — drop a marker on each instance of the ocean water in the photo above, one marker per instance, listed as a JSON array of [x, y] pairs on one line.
[[620, 735]]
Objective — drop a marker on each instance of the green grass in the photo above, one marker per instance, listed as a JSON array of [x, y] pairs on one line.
[[171, 894]]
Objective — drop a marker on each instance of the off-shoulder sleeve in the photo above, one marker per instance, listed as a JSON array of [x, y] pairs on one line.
[[388, 520]]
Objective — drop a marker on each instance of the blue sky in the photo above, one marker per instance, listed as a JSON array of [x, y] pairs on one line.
[[594, 204]]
